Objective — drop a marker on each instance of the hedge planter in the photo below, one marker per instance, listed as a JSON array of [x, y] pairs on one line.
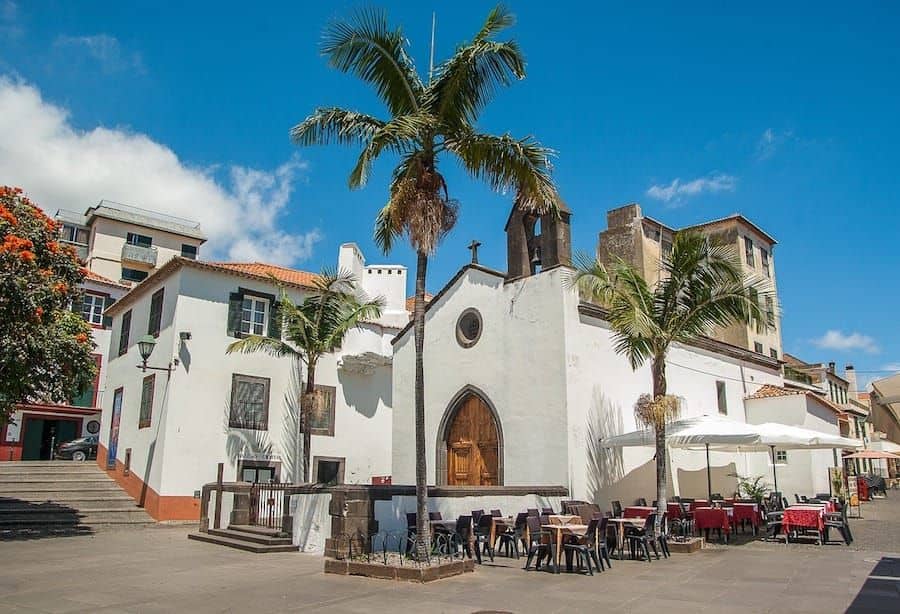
[[406, 573]]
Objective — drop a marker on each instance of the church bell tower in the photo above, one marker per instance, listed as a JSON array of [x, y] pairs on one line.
[[536, 243]]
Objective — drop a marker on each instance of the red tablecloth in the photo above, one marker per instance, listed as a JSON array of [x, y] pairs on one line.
[[638, 511], [746, 511], [699, 503], [711, 518], [674, 510], [862, 489], [804, 517]]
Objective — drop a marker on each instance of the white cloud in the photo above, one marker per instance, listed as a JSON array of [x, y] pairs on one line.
[[677, 191], [837, 340], [9, 20], [104, 49], [891, 367], [770, 141], [62, 167]]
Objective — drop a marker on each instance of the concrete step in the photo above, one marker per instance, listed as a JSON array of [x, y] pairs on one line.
[[255, 530], [251, 537], [73, 498], [73, 518], [241, 544], [54, 506], [7, 490], [62, 478]]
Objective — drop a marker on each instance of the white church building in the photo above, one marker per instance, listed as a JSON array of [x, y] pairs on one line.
[[522, 382]]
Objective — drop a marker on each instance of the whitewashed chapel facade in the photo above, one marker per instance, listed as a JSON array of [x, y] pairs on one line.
[[522, 382]]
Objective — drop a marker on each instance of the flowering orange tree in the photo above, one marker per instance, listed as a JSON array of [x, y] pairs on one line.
[[45, 348]]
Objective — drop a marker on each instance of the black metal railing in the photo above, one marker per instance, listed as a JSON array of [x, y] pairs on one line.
[[397, 548], [267, 504]]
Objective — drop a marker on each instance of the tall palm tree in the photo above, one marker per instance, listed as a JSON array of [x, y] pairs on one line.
[[315, 327], [428, 118], [701, 286]]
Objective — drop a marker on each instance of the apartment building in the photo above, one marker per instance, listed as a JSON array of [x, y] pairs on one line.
[[126, 243], [644, 241]]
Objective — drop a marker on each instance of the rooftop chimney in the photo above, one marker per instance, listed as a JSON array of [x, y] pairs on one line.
[[850, 376]]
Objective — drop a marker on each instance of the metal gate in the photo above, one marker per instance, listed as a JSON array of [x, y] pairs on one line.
[[267, 504]]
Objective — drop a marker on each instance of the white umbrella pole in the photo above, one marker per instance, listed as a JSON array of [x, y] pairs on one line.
[[708, 477]]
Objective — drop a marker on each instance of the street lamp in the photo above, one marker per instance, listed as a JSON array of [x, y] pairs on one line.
[[145, 347]]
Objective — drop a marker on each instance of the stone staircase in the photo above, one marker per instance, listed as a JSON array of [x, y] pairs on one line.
[[39, 498], [248, 538]]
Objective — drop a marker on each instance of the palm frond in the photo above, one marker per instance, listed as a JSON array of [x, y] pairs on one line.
[[258, 343], [335, 125], [366, 47], [401, 134], [509, 164], [468, 80]]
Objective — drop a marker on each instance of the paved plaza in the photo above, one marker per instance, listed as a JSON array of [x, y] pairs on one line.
[[158, 570]]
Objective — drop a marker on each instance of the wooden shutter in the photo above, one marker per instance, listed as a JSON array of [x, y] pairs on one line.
[[107, 303], [275, 319], [235, 304]]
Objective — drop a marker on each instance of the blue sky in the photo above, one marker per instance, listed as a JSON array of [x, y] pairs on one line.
[[785, 114]]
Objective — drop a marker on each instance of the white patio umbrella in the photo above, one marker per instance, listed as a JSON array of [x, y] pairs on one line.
[[786, 437], [701, 432]]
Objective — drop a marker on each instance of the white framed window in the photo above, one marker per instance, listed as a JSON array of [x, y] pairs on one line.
[[781, 457], [254, 315], [92, 308], [748, 251]]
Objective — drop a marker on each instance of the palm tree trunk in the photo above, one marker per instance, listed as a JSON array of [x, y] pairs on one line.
[[306, 406], [658, 366], [422, 526]]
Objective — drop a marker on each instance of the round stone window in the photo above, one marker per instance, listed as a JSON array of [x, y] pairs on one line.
[[468, 328], [93, 427]]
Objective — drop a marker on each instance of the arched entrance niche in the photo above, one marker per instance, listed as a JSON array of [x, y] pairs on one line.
[[470, 442]]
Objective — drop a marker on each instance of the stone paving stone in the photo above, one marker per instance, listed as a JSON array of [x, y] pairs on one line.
[[159, 570]]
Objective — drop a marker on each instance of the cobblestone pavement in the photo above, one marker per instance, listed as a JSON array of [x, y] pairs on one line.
[[159, 570]]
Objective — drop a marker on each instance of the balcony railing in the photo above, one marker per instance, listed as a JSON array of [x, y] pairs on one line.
[[80, 248], [138, 253]]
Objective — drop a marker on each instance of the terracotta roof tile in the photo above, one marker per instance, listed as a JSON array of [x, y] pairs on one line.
[[769, 391], [261, 269], [103, 280]]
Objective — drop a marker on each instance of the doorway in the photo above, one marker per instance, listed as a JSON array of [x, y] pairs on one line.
[[258, 472], [472, 444], [42, 436]]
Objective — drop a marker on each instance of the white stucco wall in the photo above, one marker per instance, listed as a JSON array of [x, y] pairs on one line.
[[311, 521], [191, 423], [518, 364], [806, 471]]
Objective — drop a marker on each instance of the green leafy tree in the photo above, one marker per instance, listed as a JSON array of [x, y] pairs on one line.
[[428, 120], [701, 286], [315, 327], [45, 348]]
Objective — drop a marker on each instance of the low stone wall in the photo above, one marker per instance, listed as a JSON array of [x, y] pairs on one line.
[[366, 510]]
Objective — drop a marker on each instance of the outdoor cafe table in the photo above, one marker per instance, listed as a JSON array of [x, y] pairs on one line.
[[714, 518], [620, 530], [698, 503], [748, 512], [560, 529], [804, 516], [638, 511]]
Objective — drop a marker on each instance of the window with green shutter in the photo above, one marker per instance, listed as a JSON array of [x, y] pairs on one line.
[[253, 313], [125, 332], [156, 308], [147, 390]]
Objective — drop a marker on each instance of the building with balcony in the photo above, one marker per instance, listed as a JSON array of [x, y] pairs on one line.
[[126, 243], [643, 242]]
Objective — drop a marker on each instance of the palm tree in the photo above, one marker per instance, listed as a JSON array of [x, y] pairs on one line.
[[315, 327], [427, 119], [701, 286]]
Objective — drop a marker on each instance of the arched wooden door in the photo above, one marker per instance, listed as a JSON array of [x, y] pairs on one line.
[[472, 445]]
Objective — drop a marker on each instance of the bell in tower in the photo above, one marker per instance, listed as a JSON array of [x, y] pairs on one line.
[[537, 243]]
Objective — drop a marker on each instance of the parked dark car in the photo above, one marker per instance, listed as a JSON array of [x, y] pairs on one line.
[[79, 449]]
